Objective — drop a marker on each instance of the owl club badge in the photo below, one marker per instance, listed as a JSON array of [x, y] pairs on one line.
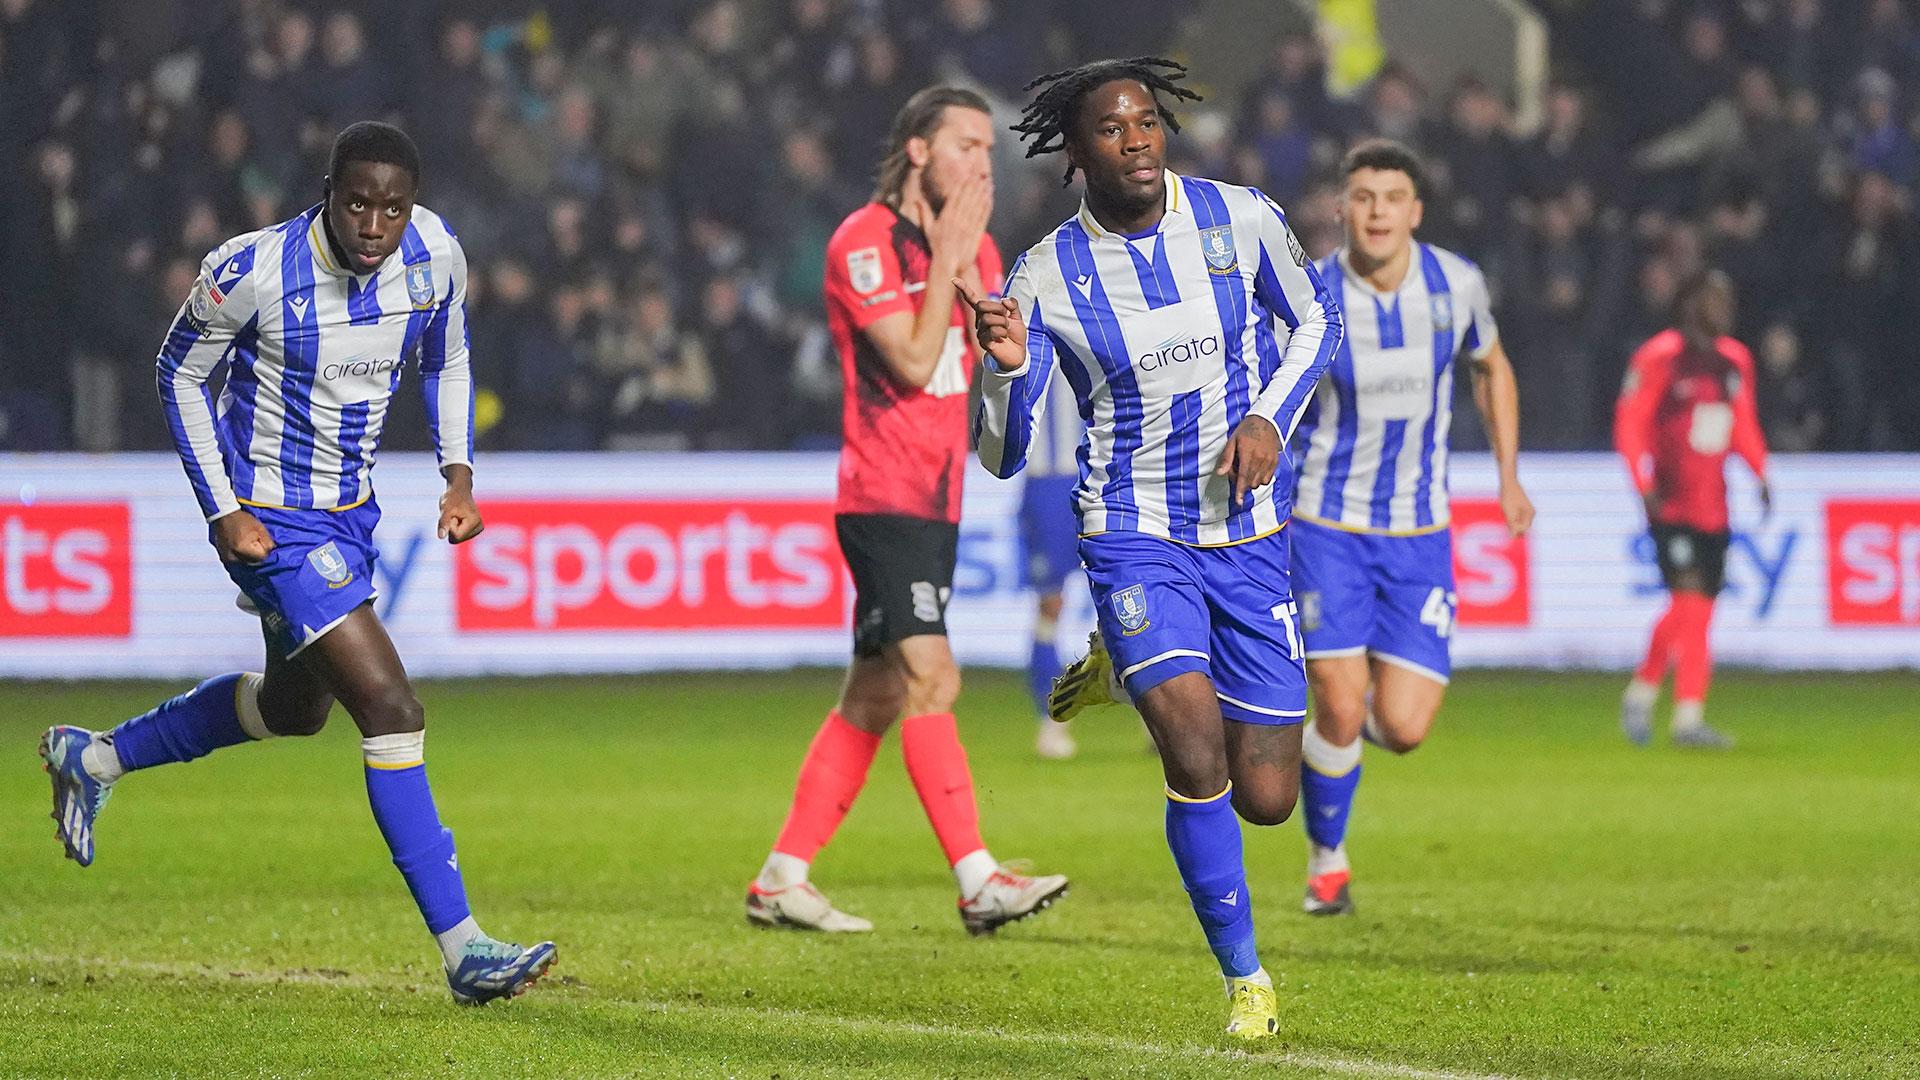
[[1130, 607], [420, 285], [1217, 245], [327, 561]]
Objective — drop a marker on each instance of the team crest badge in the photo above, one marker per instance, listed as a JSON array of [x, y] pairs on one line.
[[1217, 244], [420, 285], [1130, 607], [1310, 611], [863, 269], [1442, 314], [327, 561]]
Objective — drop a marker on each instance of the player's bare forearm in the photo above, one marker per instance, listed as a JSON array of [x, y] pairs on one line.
[[1497, 398], [459, 516], [911, 344], [1496, 394]]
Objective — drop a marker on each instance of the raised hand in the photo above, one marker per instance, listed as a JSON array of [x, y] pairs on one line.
[[953, 239], [998, 326]]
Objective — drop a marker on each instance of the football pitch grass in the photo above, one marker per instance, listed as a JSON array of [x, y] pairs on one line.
[[1535, 898]]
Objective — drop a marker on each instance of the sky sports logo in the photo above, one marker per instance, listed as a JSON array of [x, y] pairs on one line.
[[645, 564], [1176, 351], [66, 570], [1873, 562]]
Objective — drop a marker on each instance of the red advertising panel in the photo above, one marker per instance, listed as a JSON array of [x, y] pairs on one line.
[[1490, 567], [647, 564], [1873, 562], [66, 570]]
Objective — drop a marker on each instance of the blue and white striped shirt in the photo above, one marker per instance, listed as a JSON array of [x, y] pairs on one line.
[[1055, 450], [1372, 447], [1168, 340], [313, 355]]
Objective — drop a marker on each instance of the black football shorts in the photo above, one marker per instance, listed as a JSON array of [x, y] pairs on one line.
[[1679, 549], [902, 576]]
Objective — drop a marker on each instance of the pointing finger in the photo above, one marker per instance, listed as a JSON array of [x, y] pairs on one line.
[[966, 295]]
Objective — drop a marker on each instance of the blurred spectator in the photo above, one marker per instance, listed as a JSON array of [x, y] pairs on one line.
[[1568, 150], [982, 41], [655, 381], [749, 373], [351, 85], [1476, 163], [1284, 146], [1793, 404], [1868, 310], [645, 191]]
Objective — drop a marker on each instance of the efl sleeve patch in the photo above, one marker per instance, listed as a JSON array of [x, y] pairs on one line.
[[863, 269]]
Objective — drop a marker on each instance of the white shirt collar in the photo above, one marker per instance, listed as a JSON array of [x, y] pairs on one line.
[[1176, 204]]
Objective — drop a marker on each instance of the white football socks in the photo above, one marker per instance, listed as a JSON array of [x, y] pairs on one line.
[[973, 871], [101, 760], [1689, 715], [781, 871], [1325, 758], [246, 700], [1326, 860], [1642, 695], [453, 939], [1258, 978]]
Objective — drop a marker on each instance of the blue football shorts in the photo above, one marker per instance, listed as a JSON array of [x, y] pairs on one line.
[[321, 568], [1049, 532], [1364, 594], [1166, 608]]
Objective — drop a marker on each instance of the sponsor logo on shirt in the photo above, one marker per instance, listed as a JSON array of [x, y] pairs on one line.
[[349, 369], [1176, 351]]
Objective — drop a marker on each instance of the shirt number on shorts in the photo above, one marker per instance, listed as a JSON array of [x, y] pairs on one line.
[[1289, 616], [1437, 612]]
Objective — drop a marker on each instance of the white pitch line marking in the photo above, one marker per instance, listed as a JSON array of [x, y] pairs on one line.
[[1303, 1059]]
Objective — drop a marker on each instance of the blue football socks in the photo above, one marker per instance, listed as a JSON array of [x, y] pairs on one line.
[[1205, 837], [1329, 775], [193, 725], [422, 848], [1043, 663]]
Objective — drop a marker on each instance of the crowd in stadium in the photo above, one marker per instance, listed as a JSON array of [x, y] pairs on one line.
[[646, 191]]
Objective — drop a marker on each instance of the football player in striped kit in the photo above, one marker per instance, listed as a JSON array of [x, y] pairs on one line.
[[1373, 556], [1192, 330], [314, 320]]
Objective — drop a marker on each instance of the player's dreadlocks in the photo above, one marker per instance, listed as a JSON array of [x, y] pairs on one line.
[[1048, 118]]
